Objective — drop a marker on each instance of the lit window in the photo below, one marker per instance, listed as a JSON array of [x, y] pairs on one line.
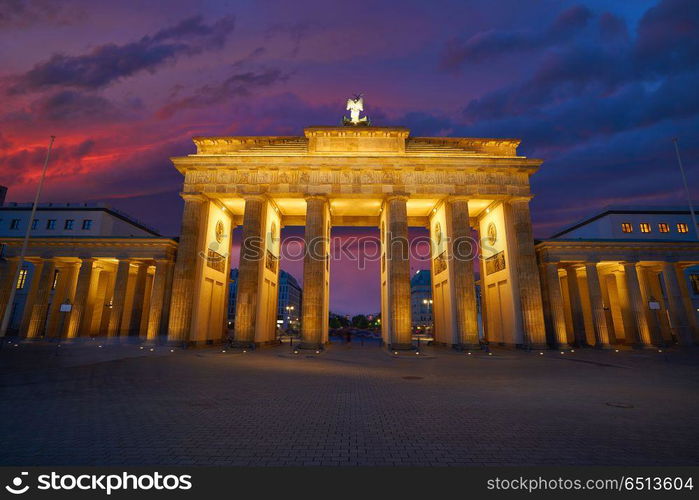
[[35, 224], [14, 224], [51, 224], [69, 224], [626, 227], [645, 227], [22, 278], [682, 227], [663, 227], [55, 280], [87, 224]]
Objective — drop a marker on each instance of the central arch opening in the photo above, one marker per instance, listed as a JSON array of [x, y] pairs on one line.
[[355, 286]]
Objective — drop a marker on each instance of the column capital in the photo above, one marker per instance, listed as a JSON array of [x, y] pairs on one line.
[[520, 199], [254, 197], [396, 196], [193, 197], [458, 197], [628, 263], [321, 197]]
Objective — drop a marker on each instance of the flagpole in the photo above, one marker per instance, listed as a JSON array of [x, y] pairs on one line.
[[23, 252], [686, 188]]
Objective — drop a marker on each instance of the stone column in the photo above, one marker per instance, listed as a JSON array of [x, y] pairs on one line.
[[462, 252], [40, 308], [576, 308], [398, 262], [690, 311], [599, 317], [119, 299], [93, 306], [527, 274], [630, 329], [678, 313], [604, 280], [558, 321], [314, 270], [184, 275], [9, 269], [644, 276], [139, 296], [251, 261], [641, 333], [157, 298], [82, 290], [31, 298]]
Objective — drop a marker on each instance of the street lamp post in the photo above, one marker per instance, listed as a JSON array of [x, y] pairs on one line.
[[428, 303], [288, 322]]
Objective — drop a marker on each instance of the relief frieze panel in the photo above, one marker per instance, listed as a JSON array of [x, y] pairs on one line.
[[240, 180]]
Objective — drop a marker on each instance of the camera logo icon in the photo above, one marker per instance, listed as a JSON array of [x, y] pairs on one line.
[[16, 487]]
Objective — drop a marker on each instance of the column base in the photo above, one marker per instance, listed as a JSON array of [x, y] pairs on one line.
[[603, 346], [310, 346], [242, 344], [537, 346], [468, 347], [401, 347], [564, 346], [641, 346]]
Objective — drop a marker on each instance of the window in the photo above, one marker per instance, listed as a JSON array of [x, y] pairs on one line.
[[663, 227], [22, 278], [626, 227], [645, 227], [87, 224], [69, 224], [51, 224], [35, 224], [14, 224], [55, 280], [682, 227]]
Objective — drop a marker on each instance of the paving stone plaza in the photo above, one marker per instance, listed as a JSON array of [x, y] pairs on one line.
[[81, 404]]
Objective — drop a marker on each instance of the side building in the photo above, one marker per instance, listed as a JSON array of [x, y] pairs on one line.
[[623, 276], [288, 302], [421, 302], [90, 270]]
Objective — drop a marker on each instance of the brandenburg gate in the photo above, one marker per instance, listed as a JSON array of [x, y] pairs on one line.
[[462, 189]]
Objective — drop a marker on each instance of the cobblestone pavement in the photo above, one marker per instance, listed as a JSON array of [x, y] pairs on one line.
[[352, 405]]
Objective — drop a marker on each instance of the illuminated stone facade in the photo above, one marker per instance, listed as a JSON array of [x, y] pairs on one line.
[[358, 176], [620, 278], [113, 272]]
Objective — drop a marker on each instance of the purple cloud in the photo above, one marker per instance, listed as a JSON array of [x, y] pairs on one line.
[[110, 63]]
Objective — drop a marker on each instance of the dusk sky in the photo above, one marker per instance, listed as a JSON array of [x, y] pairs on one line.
[[595, 88]]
